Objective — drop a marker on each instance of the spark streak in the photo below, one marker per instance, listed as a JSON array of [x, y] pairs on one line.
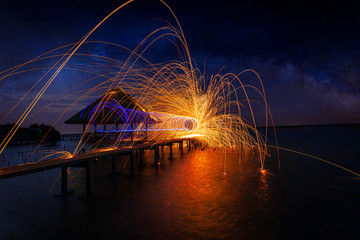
[[183, 102]]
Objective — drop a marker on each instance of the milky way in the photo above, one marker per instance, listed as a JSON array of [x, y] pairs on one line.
[[306, 53]]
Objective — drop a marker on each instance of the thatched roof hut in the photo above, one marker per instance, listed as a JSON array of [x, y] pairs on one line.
[[114, 107]]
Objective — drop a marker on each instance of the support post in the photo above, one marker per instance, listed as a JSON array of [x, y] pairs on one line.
[[140, 157], [132, 167], [88, 180], [171, 153], [161, 152], [113, 165], [64, 180], [189, 145], [146, 131], [156, 159], [131, 133], [181, 146]]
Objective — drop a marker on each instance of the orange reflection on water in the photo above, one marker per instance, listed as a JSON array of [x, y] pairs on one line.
[[264, 191], [201, 190]]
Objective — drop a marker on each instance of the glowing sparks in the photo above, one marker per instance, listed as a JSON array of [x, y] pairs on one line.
[[54, 153], [175, 99], [192, 135]]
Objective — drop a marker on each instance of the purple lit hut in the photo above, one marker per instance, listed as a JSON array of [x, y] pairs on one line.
[[115, 108]]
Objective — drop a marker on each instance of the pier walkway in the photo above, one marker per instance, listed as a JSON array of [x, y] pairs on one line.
[[85, 160]]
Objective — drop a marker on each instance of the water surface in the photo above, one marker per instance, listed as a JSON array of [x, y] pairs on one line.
[[191, 198]]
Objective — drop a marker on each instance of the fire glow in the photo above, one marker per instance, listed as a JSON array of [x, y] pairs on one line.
[[180, 101]]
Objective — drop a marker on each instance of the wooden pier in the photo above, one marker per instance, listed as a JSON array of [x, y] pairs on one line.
[[85, 160]]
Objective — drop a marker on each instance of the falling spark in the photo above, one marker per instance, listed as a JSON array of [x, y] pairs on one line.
[[184, 103]]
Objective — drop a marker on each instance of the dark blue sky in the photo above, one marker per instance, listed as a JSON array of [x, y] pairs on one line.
[[307, 52]]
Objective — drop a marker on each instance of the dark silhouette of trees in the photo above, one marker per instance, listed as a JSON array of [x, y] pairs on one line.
[[34, 134]]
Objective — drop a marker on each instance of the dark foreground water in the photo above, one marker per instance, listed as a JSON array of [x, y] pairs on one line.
[[191, 198]]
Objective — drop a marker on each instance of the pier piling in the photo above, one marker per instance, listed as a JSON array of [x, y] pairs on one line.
[[113, 165], [181, 147], [171, 153], [156, 157], [88, 180], [132, 167], [64, 180], [86, 160], [140, 157]]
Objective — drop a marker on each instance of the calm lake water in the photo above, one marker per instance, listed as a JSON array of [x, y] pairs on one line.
[[190, 197]]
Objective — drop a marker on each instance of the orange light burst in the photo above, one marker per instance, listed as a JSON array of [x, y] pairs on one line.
[[185, 103]]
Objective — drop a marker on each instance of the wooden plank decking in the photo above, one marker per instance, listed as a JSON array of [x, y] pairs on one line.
[[24, 169]]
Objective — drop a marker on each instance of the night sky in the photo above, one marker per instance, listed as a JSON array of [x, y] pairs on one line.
[[306, 52]]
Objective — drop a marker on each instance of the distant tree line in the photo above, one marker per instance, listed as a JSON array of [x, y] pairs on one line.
[[32, 134]]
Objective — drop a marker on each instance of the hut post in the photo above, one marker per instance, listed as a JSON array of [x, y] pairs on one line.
[[131, 133], [146, 130]]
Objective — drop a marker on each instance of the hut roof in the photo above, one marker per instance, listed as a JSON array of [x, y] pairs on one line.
[[115, 106]]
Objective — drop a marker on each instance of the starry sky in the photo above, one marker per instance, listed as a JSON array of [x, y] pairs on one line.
[[306, 52]]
